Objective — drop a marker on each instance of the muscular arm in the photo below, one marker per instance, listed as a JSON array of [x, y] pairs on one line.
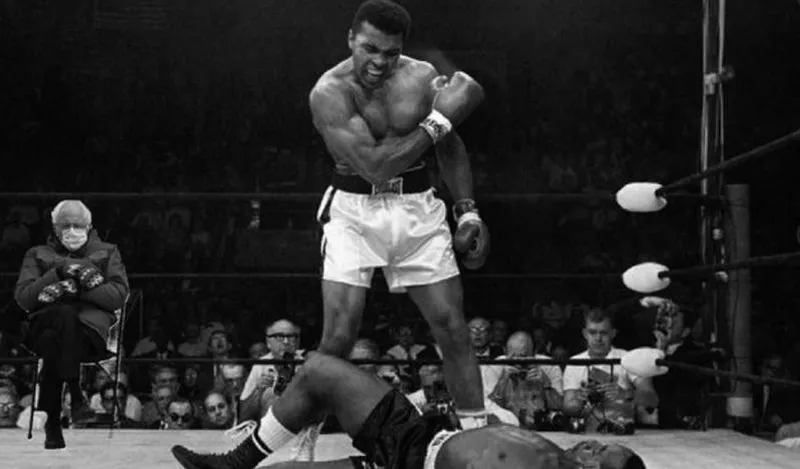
[[348, 136], [455, 166]]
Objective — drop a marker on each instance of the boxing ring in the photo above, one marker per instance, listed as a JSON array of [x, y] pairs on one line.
[[93, 449], [660, 449]]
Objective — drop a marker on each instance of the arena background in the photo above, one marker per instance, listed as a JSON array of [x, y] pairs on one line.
[[206, 96]]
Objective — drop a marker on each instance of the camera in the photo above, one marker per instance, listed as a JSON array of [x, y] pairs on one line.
[[595, 396], [549, 420], [285, 374], [439, 392], [576, 425], [662, 324], [617, 427]]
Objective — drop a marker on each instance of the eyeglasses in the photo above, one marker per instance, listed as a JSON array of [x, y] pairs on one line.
[[8, 407], [180, 417], [283, 336], [479, 330]]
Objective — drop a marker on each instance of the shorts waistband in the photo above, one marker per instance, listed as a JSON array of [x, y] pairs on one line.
[[412, 182]]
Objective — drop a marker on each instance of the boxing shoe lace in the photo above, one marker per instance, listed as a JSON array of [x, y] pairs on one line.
[[245, 456], [245, 428], [303, 445]]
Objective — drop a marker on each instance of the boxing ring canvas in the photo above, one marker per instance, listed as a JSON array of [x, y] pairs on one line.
[[150, 449]]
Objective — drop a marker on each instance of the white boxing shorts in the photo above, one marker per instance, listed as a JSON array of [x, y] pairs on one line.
[[406, 235]]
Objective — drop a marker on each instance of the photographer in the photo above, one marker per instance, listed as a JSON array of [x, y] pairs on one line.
[[531, 392], [683, 395], [266, 382], [609, 390], [433, 396]]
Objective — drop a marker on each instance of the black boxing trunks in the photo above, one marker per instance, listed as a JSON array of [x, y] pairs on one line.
[[396, 436]]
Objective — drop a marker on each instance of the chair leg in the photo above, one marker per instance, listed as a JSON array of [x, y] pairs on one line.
[[35, 401]]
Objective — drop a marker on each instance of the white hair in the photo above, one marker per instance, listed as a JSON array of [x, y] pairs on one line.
[[69, 204]]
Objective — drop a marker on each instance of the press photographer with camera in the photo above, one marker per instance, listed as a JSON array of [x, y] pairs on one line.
[[531, 392], [433, 396], [601, 397], [266, 382], [684, 396]]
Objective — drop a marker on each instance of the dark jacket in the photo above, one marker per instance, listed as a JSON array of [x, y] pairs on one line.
[[97, 306], [682, 394]]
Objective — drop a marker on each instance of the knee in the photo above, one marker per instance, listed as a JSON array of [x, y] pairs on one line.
[[339, 334], [338, 343], [66, 316], [314, 368], [448, 324]]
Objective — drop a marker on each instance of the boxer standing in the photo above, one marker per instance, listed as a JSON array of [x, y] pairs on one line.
[[381, 115]]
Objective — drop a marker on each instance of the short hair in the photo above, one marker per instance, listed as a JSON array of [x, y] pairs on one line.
[[161, 368], [215, 392], [216, 333], [182, 401], [369, 345], [71, 203], [279, 321], [598, 315], [385, 15]]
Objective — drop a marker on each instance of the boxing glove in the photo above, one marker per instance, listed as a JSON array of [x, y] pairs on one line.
[[454, 101], [471, 238]]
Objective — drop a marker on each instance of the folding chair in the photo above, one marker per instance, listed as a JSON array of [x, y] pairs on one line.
[[116, 333]]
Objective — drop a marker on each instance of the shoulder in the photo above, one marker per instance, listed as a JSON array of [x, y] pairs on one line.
[[331, 85], [617, 352], [418, 69], [39, 251], [578, 356]]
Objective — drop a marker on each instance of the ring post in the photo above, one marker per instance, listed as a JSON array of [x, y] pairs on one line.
[[737, 221]]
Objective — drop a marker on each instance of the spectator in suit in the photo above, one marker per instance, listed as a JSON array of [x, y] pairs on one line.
[[70, 287], [479, 332]]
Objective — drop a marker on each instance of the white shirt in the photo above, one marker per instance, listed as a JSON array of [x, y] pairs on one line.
[[491, 374], [576, 377], [193, 349], [258, 371], [401, 353], [147, 345], [133, 406]]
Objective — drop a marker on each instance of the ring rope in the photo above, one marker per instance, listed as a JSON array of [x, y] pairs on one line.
[[519, 361], [726, 165], [277, 361], [548, 197], [729, 374], [316, 275], [676, 273], [736, 265]]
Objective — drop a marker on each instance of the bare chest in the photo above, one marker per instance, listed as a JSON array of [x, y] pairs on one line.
[[393, 114]]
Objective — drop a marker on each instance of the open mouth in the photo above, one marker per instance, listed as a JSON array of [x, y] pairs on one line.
[[373, 74]]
